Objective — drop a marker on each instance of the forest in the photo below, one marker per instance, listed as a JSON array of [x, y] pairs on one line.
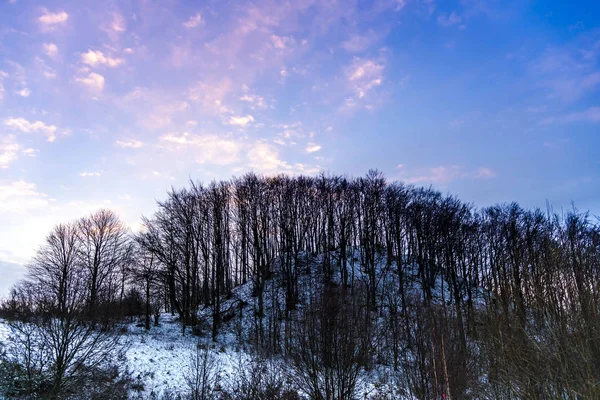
[[349, 279]]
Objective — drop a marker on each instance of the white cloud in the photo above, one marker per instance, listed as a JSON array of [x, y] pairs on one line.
[[88, 174], [439, 174], [255, 100], [30, 152], [240, 120], [51, 20], [23, 125], [18, 73], [363, 75], [96, 57], [176, 139], [569, 71], [50, 74], [444, 174], [400, 4], [131, 144], [194, 21], [211, 96], [25, 92], [93, 81], [592, 114], [265, 157], [485, 173], [312, 147], [206, 149], [448, 20], [20, 197], [118, 23], [9, 150], [359, 43], [282, 42], [50, 49], [362, 69]]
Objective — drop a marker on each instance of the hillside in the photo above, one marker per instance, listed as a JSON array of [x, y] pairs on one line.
[[323, 288]]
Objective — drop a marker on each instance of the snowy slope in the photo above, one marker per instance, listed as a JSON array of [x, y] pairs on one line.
[[159, 361]]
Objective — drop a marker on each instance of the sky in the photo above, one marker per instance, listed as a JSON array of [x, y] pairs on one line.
[[109, 104]]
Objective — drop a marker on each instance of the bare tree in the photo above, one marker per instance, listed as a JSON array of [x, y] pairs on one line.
[[55, 272], [55, 355], [104, 251], [332, 346], [145, 271], [203, 374]]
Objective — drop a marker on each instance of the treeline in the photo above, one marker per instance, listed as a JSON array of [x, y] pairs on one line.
[[348, 275]]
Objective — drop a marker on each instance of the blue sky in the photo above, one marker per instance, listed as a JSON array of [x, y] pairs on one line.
[[109, 104]]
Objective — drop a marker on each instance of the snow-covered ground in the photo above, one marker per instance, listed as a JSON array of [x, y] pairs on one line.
[[160, 360], [3, 330]]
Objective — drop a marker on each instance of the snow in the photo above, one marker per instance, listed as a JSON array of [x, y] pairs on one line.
[[159, 360], [4, 331]]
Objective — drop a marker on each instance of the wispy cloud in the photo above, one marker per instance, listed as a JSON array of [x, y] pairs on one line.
[[443, 175], [117, 24], [25, 92], [363, 75], [89, 174], [206, 149], [20, 197], [130, 144], [30, 152], [211, 95], [591, 114], [360, 42], [448, 20], [96, 57], [312, 147], [50, 49], [255, 101], [52, 20], [485, 173], [265, 158], [240, 120], [3, 75], [194, 21], [9, 150], [569, 72], [93, 81], [23, 125]]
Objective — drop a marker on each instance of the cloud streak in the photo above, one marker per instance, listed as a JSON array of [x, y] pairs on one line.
[[52, 20], [25, 126], [96, 57]]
